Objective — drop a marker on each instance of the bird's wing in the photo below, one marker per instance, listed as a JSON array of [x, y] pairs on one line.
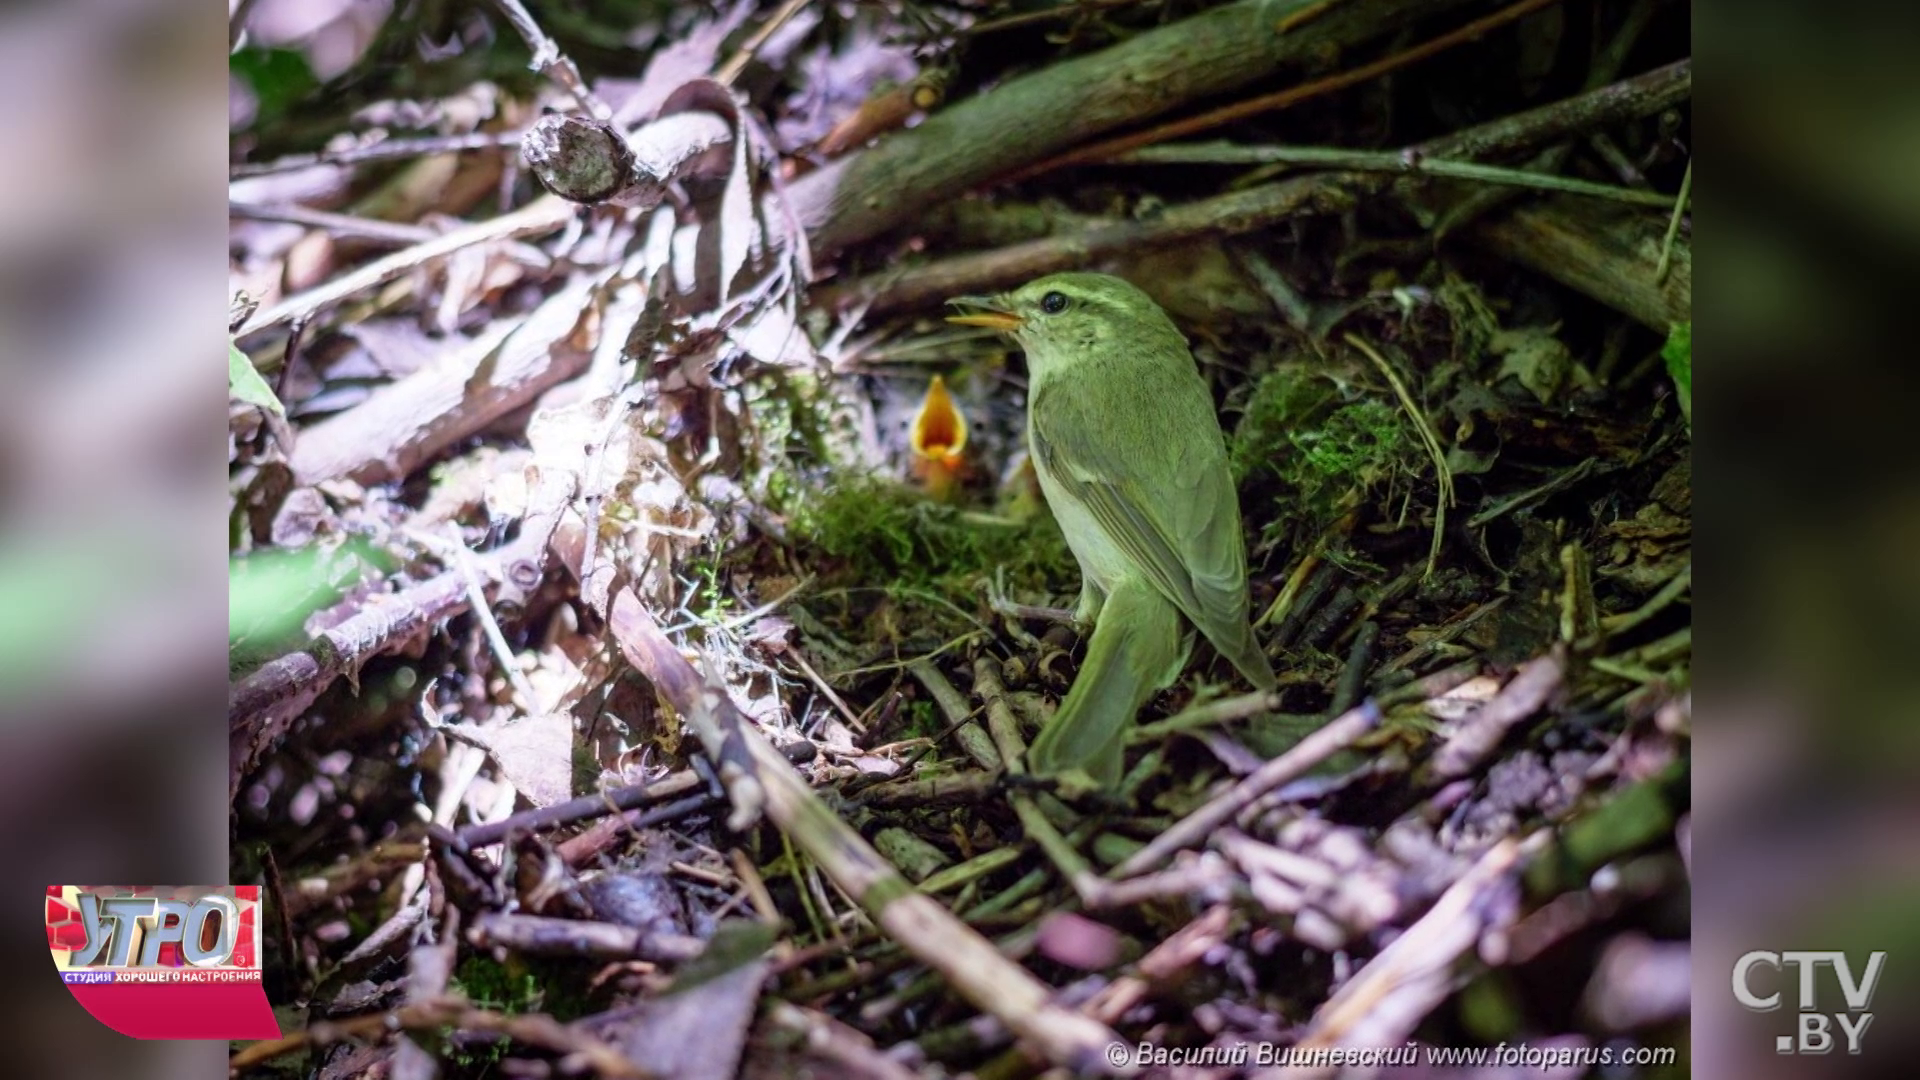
[[1142, 451]]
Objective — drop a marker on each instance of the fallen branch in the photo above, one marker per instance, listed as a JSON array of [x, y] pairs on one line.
[[759, 778], [1027, 118], [587, 161], [537, 935], [1258, 208], [1476, 736], [1233, 214], [381, 150], [1293, 95], [543, 215], [263, 705], [847, 1049], [1197, 826], [404, 424], [1611, 256], [436, 1017], [616, 801], [1387, 161], [1382, 1004]]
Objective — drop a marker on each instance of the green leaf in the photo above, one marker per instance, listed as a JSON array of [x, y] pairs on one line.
[[1678, 353], [244, 383], [279, 78]]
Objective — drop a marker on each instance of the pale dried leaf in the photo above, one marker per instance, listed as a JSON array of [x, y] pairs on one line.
[[535, 755]]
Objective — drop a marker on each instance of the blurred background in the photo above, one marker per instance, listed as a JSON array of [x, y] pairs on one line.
[[1805, 800], [112, 580], [112, 564]]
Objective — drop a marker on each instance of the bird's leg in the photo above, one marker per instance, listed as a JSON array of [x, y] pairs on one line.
[[1087, 610]]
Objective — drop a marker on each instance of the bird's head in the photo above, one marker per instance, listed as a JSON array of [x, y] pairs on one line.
[[1062, 318]]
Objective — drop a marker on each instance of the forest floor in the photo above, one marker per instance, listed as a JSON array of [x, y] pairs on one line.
[[642, 599]]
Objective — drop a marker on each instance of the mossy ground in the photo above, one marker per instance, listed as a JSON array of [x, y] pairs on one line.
[[1317, 454]]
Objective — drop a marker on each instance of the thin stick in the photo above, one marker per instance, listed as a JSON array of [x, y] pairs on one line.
[[1673, 224], [543, 215], [1428, 439], [1223, 711], [462, 559], [436, 1016], [1197, 826], [1354, 677], [384, 150], [550, 61], [756, 887], [345, 226], [737, 63], [1058, 850], [1006, 737], [1404, 163], [1000, 722], [977, 743], [1291, 96], [1476, 736], [852, 718], [1289, 592], [616, 801]]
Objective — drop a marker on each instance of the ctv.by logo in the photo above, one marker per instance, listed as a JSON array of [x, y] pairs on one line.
[[1815, 1034]]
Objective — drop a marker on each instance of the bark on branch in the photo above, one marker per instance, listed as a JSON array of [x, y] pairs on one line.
[[1037, 115], [1564, 242]]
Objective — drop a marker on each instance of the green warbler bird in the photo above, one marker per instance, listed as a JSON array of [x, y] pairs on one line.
[[1123, 436]]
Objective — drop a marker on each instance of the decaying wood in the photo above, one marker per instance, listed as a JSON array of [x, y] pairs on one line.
[[1033, 116], [405, 424], [588, 161], [1610, 255], [1234, 214], [537, 935], [1268, 205], [262, 706]]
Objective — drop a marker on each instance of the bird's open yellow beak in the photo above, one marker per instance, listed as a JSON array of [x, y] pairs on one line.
[[993, 313]]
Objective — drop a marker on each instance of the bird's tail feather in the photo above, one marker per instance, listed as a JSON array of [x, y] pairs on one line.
[[1137, 648], [1247, 655]]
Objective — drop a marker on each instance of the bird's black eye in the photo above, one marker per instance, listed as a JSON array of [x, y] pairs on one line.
[[1053, 303]]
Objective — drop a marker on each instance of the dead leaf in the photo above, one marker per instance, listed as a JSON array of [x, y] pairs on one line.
[[691, 57], [698, 1030], [535, 754], [1536, 356]]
